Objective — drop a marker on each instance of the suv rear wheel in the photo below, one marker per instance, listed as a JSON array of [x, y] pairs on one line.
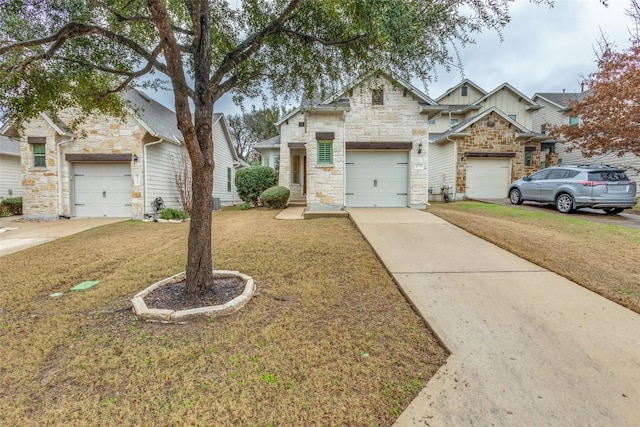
[[564, 203], [515, 196]]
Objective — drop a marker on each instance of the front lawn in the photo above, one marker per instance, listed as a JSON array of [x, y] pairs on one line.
[[328, 340], [600, 257]]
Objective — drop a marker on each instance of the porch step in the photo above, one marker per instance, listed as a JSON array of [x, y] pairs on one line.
[[297, 202], [296, 205], [325, 214]]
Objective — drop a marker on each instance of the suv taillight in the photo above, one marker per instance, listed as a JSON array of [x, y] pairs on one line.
[[592, 183]]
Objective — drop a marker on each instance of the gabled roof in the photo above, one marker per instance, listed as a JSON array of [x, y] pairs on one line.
[[562, 99], [9, 146], [459, 130], [532, 104], [157, 119], [334, 103], [268, 143], [462, 83]]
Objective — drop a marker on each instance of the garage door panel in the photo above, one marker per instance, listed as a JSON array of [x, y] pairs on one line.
[[487, 178], [102, 190], [377, 179]]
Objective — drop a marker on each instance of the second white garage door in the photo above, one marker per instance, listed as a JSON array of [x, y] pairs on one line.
[[102, 189], [487, 178], [377, 178]]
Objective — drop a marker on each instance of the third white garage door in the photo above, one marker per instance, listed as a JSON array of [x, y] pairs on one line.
[[487, 178], [377, 178], [102, 189]]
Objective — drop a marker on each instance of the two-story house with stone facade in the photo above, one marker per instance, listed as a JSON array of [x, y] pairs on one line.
[[109, 167], [482, 141], [365, 146], [556, 111]]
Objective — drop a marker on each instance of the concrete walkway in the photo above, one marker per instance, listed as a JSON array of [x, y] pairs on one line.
[[16, 235], [528, 347]]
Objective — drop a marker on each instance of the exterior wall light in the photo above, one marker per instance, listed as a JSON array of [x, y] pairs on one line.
[[420, 148]]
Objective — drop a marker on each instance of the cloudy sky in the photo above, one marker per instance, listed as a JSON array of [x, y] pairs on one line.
[[544, 50]]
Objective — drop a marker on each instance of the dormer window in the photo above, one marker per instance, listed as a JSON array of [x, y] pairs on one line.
[[377, 97], [465, 90]]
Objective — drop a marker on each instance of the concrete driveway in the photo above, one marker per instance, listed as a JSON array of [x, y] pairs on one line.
[[16, 234], [528, 347]]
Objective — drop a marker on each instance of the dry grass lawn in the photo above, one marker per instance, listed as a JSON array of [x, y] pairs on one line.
[[600, 257], [329, 340]]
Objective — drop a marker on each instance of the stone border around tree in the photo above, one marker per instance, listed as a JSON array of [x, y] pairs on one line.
[[141, 310]]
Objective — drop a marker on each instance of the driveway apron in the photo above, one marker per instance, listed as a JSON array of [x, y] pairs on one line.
[[528, 347]]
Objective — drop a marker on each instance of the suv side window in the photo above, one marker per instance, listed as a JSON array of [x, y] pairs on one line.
[[557, 174], [539, 175], [571, 174]]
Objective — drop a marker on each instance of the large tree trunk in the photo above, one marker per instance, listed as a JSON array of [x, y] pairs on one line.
[[199, 264]]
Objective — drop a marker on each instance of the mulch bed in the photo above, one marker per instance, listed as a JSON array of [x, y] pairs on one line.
[[173, 297]]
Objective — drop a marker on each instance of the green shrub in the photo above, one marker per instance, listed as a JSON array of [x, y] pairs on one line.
[[170, 213], [275, 197], [11, 206], [251, 181], [244, 206]]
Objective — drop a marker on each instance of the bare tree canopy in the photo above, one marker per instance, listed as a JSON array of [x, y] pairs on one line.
[[58, 54], [251, 127], [610, 114]]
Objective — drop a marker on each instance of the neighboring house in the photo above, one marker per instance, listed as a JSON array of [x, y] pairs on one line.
[[10, 170], [364, 146], [557, 111], [481, 141], [269, 151], [112, 168]]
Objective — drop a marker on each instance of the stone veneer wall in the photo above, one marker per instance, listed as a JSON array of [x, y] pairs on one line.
[[397, 120], [100, 135], [498, 139]]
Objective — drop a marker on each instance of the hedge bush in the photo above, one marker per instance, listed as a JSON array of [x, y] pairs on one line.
[[170, 213], [275, 197], [251, 182], [11, 206]]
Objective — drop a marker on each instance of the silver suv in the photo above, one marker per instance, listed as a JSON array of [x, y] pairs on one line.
[[573, 187]]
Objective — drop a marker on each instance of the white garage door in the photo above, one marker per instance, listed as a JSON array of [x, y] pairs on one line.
[[377, 178], [102, 189], [487, 178]]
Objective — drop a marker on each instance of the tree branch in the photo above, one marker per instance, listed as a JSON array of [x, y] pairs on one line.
[[251, 44], [309, 39]]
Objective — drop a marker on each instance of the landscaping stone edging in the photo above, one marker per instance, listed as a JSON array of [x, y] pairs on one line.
[[141, 310]]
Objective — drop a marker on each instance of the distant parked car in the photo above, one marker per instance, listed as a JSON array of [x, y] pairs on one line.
[[574, 187]]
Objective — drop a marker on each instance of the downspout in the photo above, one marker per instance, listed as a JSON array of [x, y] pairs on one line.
[[427, 165], [144, 172], [59, 163], [344, 161], [455, 167]]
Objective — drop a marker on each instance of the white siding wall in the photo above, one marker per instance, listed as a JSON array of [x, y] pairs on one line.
[[10, 176], [548, 114], [160, 175], [456, 98], [223, 158], [441, 168], [509, 103]]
